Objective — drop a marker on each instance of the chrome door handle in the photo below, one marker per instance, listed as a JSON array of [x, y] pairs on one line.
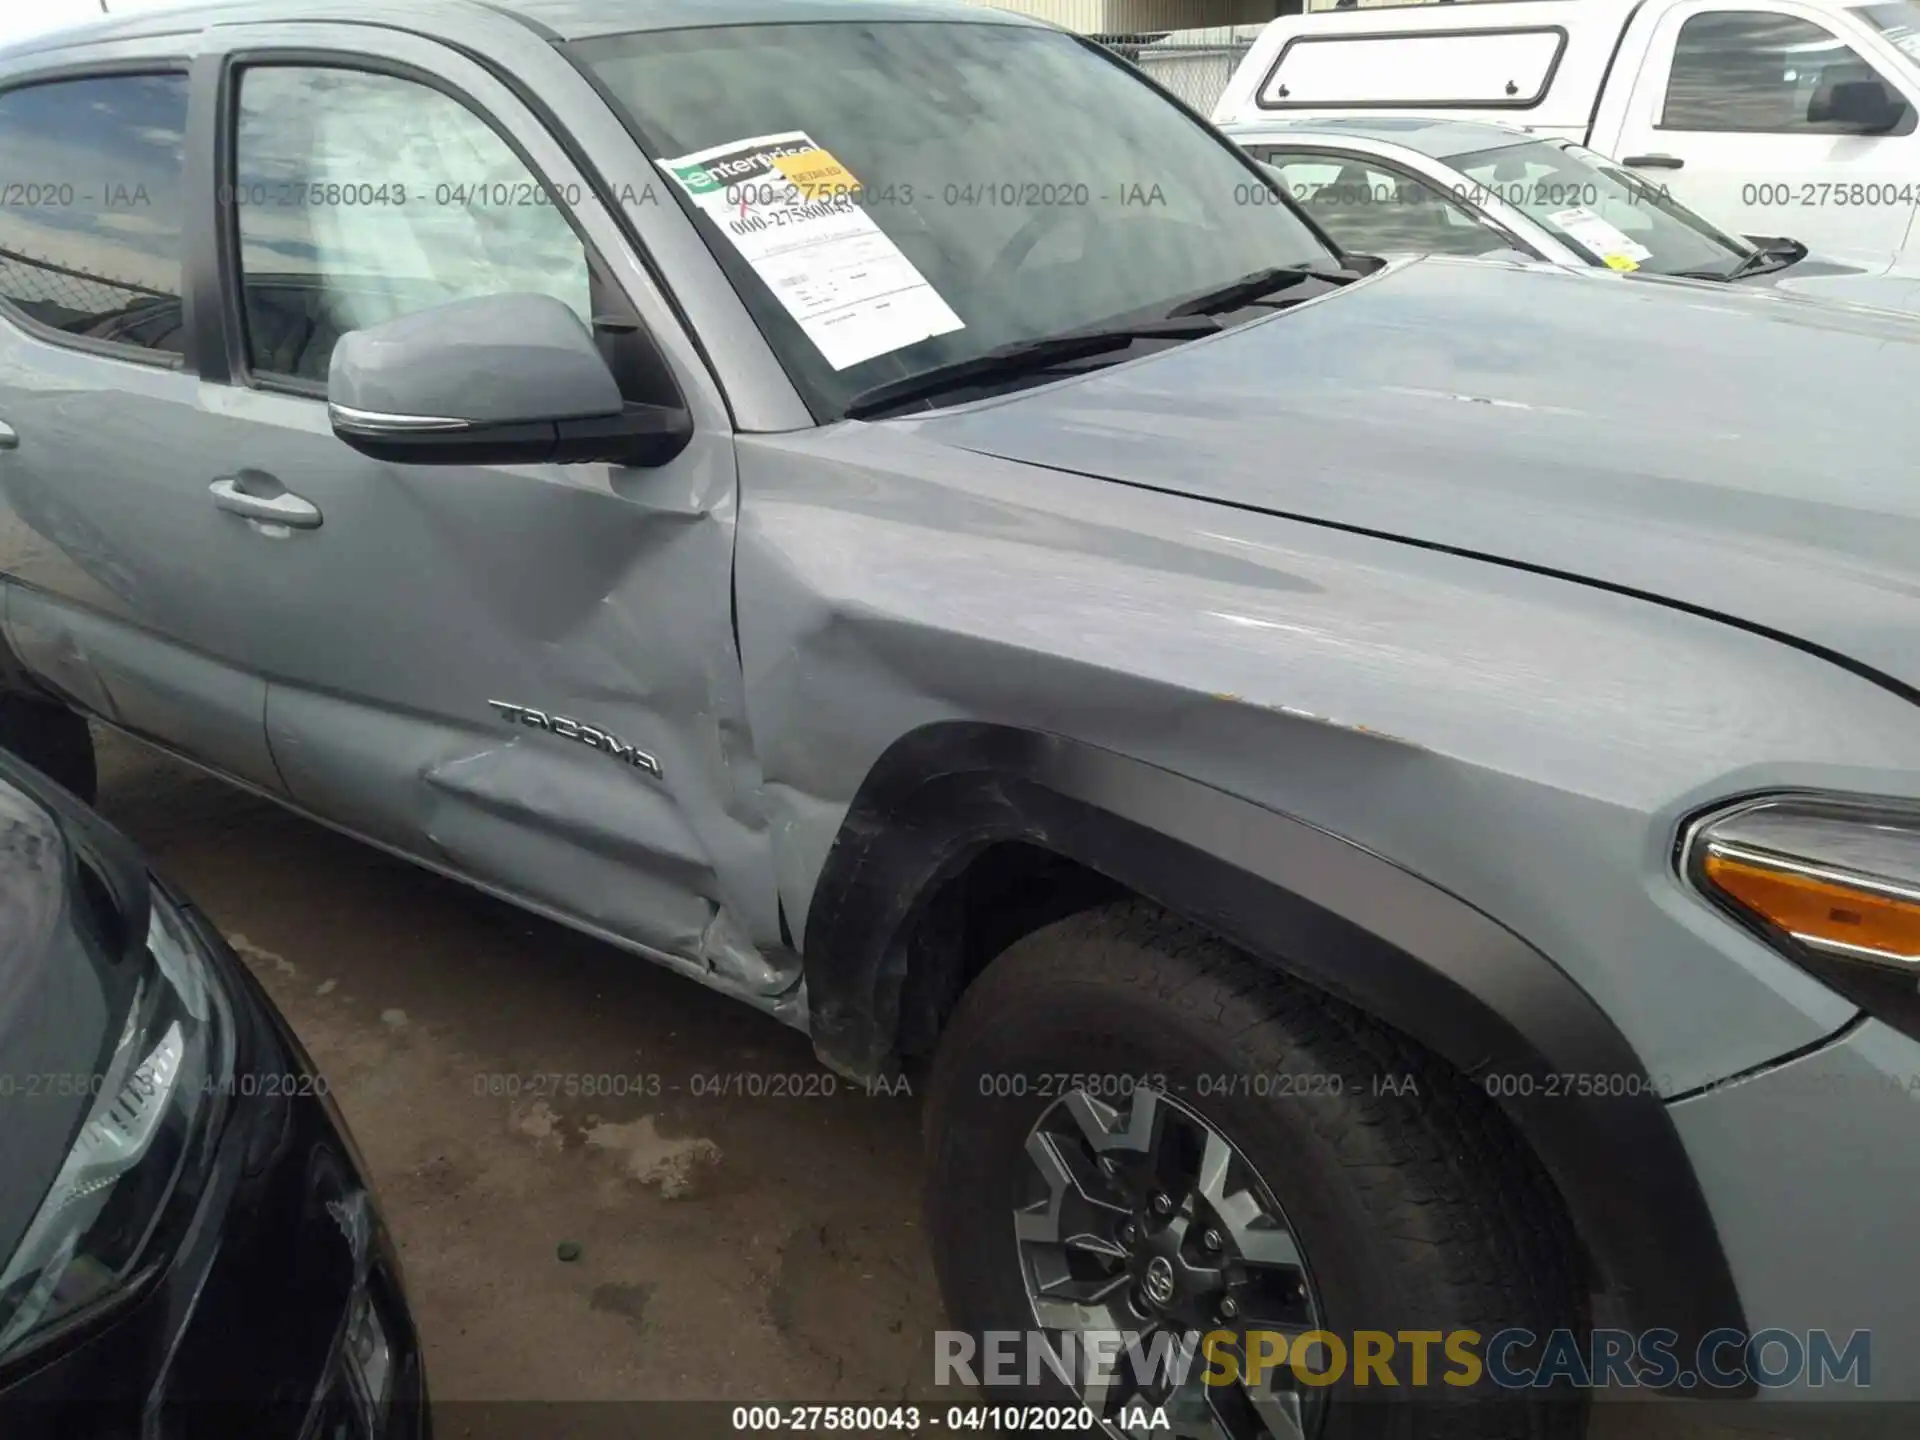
[[9, 437], [285, 508]]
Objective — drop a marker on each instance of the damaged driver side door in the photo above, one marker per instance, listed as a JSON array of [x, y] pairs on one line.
[[524, 675]]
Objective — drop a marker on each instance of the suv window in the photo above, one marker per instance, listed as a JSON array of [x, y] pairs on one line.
[[361, 197], [1752, 71], [1372, 210], [90, 173]]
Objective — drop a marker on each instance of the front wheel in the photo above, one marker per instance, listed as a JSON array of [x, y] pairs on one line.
[[1135, 1130]]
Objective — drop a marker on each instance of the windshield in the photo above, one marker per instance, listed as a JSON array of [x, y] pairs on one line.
[[1899, 22], [890, 197], [1607, 214]]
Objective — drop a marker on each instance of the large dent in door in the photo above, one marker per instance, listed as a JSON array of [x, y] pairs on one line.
[[596, 601]]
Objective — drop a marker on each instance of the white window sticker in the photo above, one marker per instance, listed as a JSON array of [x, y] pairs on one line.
[[788, 207], [1613, 245]]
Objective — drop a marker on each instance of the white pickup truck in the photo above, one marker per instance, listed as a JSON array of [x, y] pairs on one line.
[[1774, 117]]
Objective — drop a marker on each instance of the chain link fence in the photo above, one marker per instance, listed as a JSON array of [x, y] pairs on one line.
[[58, 294], [1189, 46], [1194, 64]]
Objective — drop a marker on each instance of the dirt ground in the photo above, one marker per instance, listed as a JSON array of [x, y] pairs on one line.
[[730, 1248]]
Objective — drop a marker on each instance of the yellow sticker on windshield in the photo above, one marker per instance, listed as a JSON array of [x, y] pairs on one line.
[[1620, 262], [816, 174]]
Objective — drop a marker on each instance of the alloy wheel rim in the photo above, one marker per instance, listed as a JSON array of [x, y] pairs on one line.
[[1146, 1220]]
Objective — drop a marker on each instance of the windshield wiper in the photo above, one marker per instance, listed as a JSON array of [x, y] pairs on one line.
[[1765, 261], [1252, 287], [1021, 357], [1760, 262]]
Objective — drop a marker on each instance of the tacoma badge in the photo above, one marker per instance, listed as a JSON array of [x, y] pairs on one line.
[[585, 734]]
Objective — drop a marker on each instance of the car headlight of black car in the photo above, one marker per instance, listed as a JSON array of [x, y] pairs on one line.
[[154, 1100], [1831, 882]]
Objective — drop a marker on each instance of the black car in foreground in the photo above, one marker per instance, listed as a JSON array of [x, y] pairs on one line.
[[188, 1243]]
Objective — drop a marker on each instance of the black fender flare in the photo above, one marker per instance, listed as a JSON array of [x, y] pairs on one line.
[[1339, 917]]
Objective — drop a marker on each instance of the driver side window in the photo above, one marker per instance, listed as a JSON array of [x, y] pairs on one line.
[[1763, 73], [360, 197]]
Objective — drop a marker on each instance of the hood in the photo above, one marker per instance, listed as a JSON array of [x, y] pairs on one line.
[[1746, 453]]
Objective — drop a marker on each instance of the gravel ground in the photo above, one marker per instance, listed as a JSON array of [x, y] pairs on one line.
[[729, 1248]]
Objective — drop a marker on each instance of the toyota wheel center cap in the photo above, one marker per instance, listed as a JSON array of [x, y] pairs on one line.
[[1158, 1282]]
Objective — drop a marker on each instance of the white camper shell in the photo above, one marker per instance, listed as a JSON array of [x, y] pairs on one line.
[[1772, 116]]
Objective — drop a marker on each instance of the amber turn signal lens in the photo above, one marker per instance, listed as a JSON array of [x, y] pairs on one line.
[[1829, 909], [1832, 882]]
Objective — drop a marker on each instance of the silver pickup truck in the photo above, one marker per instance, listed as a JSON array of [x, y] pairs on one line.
[[1382, 800]]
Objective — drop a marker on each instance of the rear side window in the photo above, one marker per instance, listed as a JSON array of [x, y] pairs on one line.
[[90, 173], [1753, 71]]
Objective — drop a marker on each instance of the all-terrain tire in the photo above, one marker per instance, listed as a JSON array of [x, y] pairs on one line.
[[52, 739], [1415, 1205]]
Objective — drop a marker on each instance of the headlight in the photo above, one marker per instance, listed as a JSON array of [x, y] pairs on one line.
[[151, 1104], [1833, 883]]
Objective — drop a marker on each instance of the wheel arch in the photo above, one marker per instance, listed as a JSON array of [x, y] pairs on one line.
[[1336, 916]]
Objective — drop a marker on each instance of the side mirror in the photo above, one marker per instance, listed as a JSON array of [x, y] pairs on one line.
[[500, 380], [1865, 107]]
